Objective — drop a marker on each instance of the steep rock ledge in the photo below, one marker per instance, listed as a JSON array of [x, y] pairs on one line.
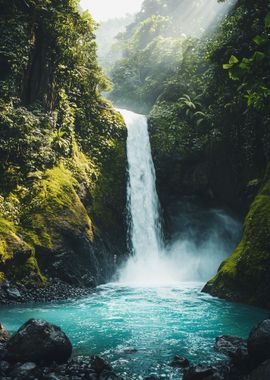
[[245, 275]]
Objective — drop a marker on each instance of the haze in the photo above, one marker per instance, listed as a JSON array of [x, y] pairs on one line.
[[103, 10]]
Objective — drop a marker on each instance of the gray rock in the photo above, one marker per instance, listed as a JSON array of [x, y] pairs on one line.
[[262, 372], [229, 345], [13, 293], [259, 342], [23, 371], [99, 365], [4, 334], [51, 376], [4, 366], [236, 349], [28, 366], [39, 341]]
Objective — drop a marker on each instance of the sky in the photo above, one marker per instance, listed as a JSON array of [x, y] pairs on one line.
[[103, 10]]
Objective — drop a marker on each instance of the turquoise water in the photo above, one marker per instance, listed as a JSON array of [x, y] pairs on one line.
[[157, 322]]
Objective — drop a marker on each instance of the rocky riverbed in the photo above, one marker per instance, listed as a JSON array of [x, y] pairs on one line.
[[54, 290], [40, 350]]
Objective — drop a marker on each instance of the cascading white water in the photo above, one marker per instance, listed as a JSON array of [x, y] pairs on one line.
[[142, 203], [189, 257]]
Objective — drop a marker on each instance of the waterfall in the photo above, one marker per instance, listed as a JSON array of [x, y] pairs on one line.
[[144, 224], [142, 200], [199, 244]]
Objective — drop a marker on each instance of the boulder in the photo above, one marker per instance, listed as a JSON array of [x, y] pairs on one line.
[[259, 342], [179, 362], [13, 294], [229, 345], [262, 372], [4, 334], [236, 349], [39, 341]]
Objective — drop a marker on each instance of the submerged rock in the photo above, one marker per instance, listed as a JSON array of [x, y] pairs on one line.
[[127, 350], [179, 362], [259, 342], [39, 341]]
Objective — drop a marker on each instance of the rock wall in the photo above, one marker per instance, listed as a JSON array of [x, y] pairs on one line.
[[244, 276]]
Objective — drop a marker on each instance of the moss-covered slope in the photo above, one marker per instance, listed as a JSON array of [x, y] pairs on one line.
[[56, 232], [245, 275], [62, 149]]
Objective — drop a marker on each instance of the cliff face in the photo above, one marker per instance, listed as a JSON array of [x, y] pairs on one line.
[[244, 276], [62, 148]]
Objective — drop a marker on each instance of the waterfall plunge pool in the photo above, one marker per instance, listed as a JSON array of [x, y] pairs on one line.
[[141, 329]]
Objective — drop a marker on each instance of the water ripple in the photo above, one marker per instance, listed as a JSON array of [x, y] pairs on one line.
[[141, 329]]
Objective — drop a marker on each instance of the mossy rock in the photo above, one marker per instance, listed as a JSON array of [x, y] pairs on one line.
[[51, 211], [55, 207], [17, 258], [55, 233], [245, 275]]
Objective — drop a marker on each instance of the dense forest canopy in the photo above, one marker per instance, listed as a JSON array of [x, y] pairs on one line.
[[205, 91]]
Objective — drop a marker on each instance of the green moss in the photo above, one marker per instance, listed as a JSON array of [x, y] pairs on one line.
[[11, 243], [109, 195], [246, 270], [59, 141], [55, 207], [51, 208], [8, 239]]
